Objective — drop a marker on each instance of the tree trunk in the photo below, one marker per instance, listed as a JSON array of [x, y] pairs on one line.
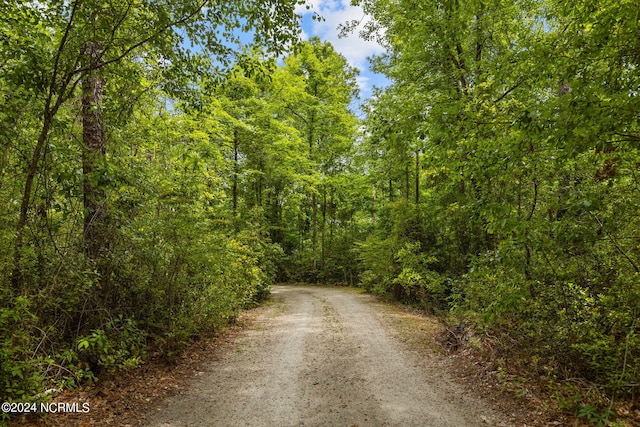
[[93, 160], [259, 186], [234, 188], [314, 225], [17, 274], [322, 228], [417, 177], [59, 89], [373, 205], [314, 201], [332, 220], [406, 182]]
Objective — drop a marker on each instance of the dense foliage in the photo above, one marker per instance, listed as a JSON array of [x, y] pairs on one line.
[[505, 164], [156, 176]]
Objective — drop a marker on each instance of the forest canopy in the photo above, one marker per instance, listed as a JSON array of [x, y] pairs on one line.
[[158, 173]]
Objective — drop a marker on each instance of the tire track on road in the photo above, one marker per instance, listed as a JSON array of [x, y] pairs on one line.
[[322, 356]]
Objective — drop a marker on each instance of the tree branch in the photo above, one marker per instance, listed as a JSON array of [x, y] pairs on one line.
[[628, 136], [615, 243], [504, 95], [304, 119], [144, 41]]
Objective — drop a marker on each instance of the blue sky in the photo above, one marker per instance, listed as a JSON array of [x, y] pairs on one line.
[[354, 48]]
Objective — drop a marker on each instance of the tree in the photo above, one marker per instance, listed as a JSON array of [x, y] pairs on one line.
[[524, 164], [89, 39], [113, 196], [266, 154], [320, 111]]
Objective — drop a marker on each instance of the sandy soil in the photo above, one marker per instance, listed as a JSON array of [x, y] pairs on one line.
[[320, 356]]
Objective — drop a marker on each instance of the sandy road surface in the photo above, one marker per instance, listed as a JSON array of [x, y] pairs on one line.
[[322, 357]]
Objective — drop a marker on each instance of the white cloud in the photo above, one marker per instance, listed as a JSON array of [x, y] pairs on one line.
[[355, 49], [363, 82], [336, 12]]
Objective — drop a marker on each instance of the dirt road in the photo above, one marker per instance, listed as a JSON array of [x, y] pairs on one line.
[[323, 356]]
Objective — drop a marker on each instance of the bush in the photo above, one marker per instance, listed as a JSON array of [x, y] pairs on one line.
[[20, 373], [120, 345]]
